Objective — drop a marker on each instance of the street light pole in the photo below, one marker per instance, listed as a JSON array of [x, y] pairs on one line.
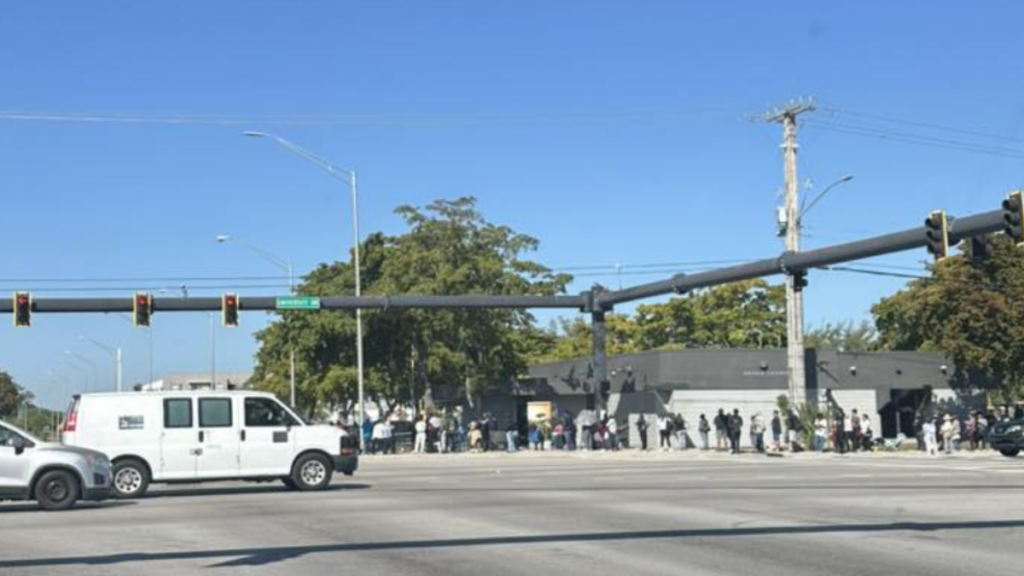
[[114, 352], [286, 265], [349, 177]]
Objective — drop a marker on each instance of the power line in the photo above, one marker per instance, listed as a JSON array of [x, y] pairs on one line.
[[454, 119], [920, 124], [908, 138]]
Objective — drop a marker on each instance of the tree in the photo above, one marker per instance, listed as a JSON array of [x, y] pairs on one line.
[[12, 396], [451, 249], [569, 339], [740, 314], [844, 336], [969, 310]]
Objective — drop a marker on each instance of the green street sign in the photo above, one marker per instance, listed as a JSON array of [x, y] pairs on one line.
[[298, 303]]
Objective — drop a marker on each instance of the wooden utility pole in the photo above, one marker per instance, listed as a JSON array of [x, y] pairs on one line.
[[794, 295]]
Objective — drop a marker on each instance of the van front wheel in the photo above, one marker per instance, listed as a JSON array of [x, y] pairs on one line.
[[312, 472], [131, 479]]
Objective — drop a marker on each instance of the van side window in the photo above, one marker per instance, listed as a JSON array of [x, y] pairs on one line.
[[178, 413], [265, 412], [214, 412]]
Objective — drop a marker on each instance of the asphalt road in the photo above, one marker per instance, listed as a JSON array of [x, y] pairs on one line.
[[558, 514]]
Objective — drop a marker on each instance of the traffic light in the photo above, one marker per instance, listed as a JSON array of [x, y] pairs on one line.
[[937, 234], [22, 309], [800, 280], [1013, 216], [229, 309], [142, 309]]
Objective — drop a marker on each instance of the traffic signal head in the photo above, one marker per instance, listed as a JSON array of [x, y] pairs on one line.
[[229, 309], [22, 309], [800, 280], [1013, 216], [142, 309], [937, 234]]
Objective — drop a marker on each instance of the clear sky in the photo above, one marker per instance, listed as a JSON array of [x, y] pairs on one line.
[[616, 132]]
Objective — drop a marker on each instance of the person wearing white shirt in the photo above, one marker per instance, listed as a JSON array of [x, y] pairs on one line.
[[420, 446]]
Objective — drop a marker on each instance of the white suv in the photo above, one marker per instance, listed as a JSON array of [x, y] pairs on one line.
[[55, 476], [197, 436]]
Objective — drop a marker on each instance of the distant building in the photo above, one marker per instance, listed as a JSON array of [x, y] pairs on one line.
[[177, 382]]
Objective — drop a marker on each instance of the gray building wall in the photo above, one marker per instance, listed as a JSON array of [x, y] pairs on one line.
[[694, 382]]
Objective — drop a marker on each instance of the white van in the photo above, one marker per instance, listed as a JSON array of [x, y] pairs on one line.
[[203, 435]]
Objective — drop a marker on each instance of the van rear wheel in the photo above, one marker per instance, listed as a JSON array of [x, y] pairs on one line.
[[312, 472], [57, 490], [131, 479]]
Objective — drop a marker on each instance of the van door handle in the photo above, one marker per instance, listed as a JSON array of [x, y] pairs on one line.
[[202, 436], [242, 433]]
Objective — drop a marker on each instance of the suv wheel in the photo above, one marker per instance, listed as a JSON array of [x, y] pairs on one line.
[[131, 479], [1010, 452], [312, 472], [57, 490]]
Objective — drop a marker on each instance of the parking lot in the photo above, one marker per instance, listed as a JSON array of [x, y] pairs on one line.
[[623, 513]]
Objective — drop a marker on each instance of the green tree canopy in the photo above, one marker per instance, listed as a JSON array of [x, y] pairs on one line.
[[843, 336], [12, 396], [450, 248], [969, 310]]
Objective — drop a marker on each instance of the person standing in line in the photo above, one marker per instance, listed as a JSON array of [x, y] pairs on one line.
[[376, 443], [512, 438], [367, 431], [735, 430], [664, 431], [855, 431], [820, 433], [971, 430], [794, 428], [485, 432], [613, 434], [866, 433], [845, 431], [947, 431], [928, 433], [704, 428], [570, 430], [641, 428], [757, 429], [981, 430], [721, 430], [679, 431], [421, 436], [776, 430]]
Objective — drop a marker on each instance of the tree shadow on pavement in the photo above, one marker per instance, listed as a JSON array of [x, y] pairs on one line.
[[269, 555]]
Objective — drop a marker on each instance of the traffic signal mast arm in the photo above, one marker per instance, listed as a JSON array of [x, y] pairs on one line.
[[787, 263]]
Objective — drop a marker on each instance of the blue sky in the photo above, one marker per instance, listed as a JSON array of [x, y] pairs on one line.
[[615, 132]]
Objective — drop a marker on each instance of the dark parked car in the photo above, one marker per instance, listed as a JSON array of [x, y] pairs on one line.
[[1007, 437]]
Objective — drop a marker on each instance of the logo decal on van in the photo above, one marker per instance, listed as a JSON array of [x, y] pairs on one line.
[[131, 422]]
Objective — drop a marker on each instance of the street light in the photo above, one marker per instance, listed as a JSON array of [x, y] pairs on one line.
[[114, 352], [818, 198], [285, 265], [348, 177]]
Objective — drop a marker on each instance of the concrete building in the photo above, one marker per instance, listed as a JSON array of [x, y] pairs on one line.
[[196, 382], [889, 386]]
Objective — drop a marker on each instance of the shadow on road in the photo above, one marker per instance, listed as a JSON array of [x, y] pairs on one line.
[[179, 492], [32, 507], [270, 555]]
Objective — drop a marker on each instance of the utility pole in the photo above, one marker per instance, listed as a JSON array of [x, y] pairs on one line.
[[794, 295]]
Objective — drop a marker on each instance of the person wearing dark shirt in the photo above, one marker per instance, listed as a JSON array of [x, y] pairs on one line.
[[641, 428], [735, 430]]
